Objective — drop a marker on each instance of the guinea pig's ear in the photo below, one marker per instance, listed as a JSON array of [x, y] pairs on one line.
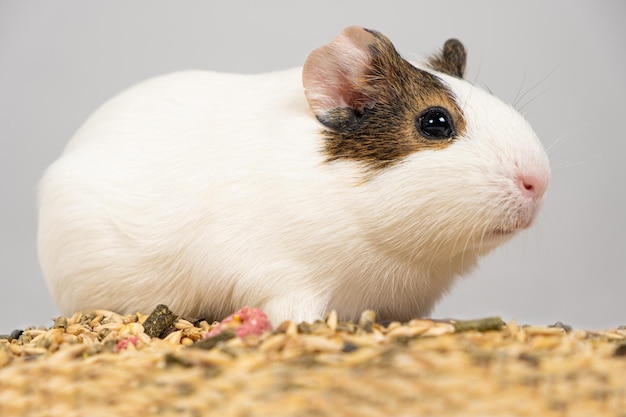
[[451, 60], [335, 77]]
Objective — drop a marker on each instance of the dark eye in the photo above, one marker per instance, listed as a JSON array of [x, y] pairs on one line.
[[435, 123]]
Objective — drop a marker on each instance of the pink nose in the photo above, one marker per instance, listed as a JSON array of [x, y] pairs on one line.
[[533, 186]]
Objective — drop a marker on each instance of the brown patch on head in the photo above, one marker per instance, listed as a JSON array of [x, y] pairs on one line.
[[451, 60], [376, 106]]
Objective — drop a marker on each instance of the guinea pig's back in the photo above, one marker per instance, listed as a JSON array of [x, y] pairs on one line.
[[165, 110]]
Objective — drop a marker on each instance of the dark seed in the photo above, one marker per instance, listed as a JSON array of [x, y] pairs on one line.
[[349, 347], [159, 321], [60, 323], [560, 325], [482, 325], [367, 319], [172, 359], [15, 334], [530, 359], [620, 350], [305, 328], [282, 328], [211, 342]]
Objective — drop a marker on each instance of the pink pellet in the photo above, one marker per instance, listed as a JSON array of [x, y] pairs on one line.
[[248, 320], [123, 344]]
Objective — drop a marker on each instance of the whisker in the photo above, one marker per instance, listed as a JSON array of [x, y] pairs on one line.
[[519, 91], [468, 239], [480, 66], [559, 140], [554, 146], [567, 135], [538, 83], [533, 99], [568, 165], [469, 94], [489, 220]]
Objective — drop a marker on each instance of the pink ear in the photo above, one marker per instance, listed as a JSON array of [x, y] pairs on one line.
[[334, 74]]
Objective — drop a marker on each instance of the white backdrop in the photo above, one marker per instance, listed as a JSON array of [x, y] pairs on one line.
[[60, 60]]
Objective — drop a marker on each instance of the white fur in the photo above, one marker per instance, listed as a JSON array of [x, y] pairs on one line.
[[208, 192]]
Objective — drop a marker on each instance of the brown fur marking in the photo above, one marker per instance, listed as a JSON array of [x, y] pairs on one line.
[[384, 134], [451, 60]]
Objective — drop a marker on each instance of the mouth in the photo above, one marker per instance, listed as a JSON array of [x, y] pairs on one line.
[[513, 228], [503, 232]]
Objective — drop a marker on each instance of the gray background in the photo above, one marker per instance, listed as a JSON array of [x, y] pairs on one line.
[[60, 60]]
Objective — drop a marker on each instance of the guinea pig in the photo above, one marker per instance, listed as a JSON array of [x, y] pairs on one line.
[[359, 181]]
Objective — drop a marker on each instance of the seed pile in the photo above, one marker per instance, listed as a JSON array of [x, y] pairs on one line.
[[101, 364]]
